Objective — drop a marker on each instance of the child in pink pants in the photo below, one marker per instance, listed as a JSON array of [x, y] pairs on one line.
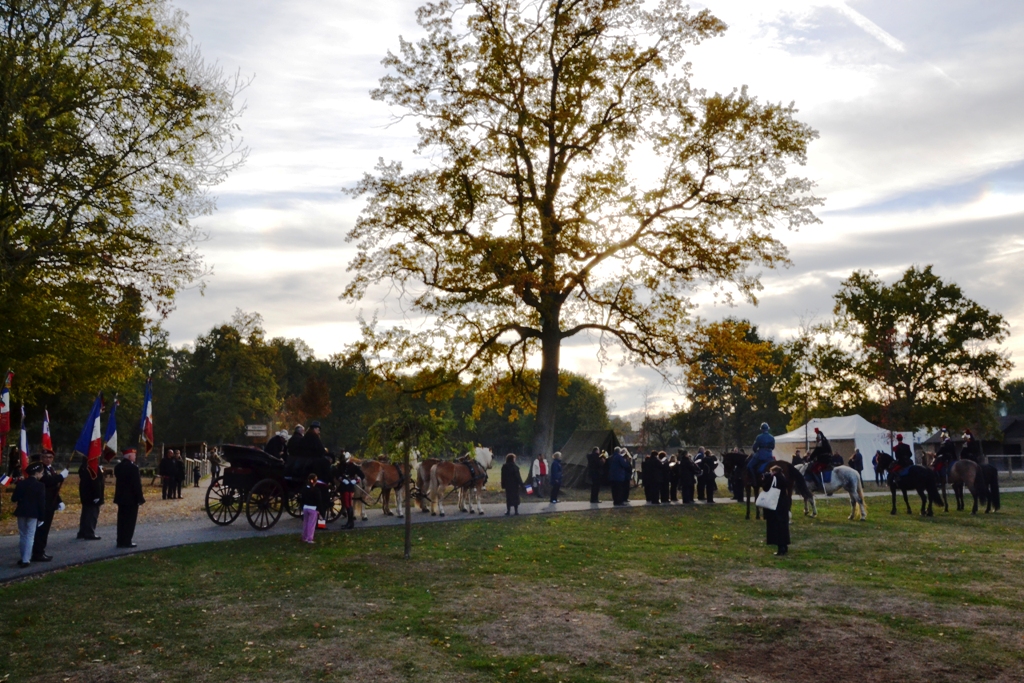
[[310, 508]]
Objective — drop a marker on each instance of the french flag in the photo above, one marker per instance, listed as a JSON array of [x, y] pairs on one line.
[[110, 437], [47, 441], [90, 443], [146, 423], [23, 444]]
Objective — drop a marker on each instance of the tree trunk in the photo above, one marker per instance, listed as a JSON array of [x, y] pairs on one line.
[[547, 394]]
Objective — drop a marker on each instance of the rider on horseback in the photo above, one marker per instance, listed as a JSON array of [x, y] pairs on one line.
[[904, 457], [946, 453], [764, 445], [820, 460]]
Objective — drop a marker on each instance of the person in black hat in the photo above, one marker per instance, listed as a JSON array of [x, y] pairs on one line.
[[128, 497], [30, 497], [52, 480]]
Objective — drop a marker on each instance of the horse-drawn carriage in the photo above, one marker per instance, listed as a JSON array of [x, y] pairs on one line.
[[264, 486]]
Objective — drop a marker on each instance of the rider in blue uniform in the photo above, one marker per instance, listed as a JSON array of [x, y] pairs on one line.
[[764, 444]]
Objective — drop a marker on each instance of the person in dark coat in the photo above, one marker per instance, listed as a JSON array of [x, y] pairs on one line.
[[687, 476], [857, 464], [619, 472], [595, 470], [351, 476], [904, 456], [52, 480], [698, 460], [197, 474], [555, 476], [30, 498], [166, 471], [777, 520], [673, 478], [179, 474], [650, 471], [278, 445], [664, 473], [312, 446], [128, 497], [91, 493], [295, 442], [708, 465], [511, 482]]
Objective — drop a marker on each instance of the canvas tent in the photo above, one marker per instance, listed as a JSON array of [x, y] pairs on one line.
[[575, 450], [845, 434]]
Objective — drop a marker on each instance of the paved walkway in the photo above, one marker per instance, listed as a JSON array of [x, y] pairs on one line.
[[69, 551]]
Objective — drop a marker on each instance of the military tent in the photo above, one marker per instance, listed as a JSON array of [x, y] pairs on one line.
[[575, 450]]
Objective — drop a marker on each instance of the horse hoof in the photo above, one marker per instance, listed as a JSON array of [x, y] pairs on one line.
[[481, 512], [442, 514], [433, 514], [893, 512]]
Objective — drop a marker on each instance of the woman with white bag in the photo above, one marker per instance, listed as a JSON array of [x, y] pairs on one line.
[[776, 502]]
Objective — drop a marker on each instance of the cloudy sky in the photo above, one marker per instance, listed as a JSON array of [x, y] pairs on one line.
[[919, 105]]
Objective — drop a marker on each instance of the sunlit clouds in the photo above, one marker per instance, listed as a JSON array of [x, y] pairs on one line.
[[921, 156]]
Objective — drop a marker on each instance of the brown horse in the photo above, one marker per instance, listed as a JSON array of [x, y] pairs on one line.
[[735, 465], [960, 473], [467, 476], [388, 478], [423, 482]]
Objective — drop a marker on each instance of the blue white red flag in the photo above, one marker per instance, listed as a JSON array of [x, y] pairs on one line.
[[110, 437], [5, 480], [47, 441], [90, 442], [146, 424], [23, 444]]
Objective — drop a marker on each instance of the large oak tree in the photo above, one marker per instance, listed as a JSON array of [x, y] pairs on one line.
[[574, 181]]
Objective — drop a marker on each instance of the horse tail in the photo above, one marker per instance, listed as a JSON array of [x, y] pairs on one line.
[[801, 485], [991, 475], [933, 488]]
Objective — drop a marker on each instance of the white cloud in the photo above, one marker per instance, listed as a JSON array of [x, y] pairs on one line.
[[921, 153]]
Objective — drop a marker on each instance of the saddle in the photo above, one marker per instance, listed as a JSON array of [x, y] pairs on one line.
[[899, 470]]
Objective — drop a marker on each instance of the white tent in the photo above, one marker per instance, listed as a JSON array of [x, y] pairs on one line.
[[845, 434]]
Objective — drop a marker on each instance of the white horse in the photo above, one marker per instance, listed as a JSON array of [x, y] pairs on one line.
[[845, 478]]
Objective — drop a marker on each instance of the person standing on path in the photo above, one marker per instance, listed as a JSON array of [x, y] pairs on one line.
[[777, 520], [664, 478], [709, 465], [687, 476], [179, 474], [539, 472], [698, 460], [166, 472], [619, 472], [91, 493], [52, 481], [197, 474], [556, 476], [650, 473], [128, 497], [595, 470], [30, 498], [511, 482]]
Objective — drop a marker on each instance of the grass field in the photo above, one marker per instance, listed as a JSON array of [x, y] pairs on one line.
[[670, 593]]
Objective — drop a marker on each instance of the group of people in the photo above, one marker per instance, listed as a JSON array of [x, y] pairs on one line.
[[173, 474], [38, 497]]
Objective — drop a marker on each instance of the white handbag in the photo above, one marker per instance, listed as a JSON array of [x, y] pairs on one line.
[[769, 500]]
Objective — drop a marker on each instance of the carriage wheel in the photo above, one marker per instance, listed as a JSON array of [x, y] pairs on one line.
[[265, 504], [223, 502], [335, 509], [293, 504]]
